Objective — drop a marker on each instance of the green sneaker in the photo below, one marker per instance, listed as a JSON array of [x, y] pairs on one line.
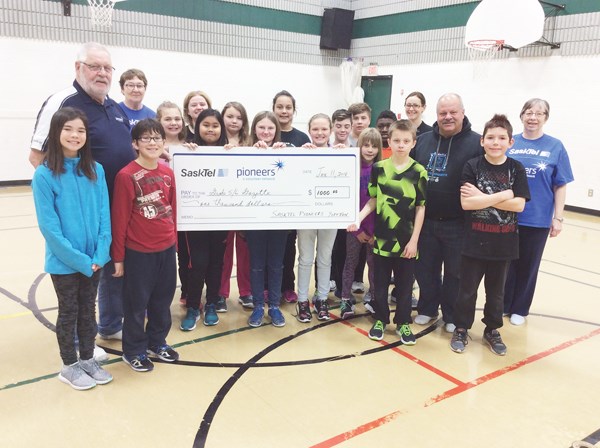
[[406, 335], [376, 332]]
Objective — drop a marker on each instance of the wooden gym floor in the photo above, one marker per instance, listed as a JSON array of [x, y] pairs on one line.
[[309, 385]]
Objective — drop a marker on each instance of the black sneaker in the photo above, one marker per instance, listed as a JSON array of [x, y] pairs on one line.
[[369, 306], [322, 309], [164, 353], [303, 308], [246, 301], [346, 308], [221, 305], [459, 341], [376, 331], [494, 341], [406, 335], [139, 363]]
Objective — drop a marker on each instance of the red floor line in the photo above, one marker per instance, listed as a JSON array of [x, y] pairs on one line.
[[411, 357], [452, 392]]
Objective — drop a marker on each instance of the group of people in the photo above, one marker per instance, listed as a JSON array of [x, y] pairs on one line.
[[438, 204]]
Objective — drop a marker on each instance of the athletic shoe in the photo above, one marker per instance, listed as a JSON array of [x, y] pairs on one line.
[[164, 353], [221, 305], [139, 363], [118, 336], [256, 317], [367, 297], [393, 296], [304, 314], [246, 301], [189, 321], [494, 341], [358, 287], [76, 377], [276, 316], [322, 309], [210, 315], [346, 309], [406, 335], [449, 327], [290, 296], [93, 369], [369, 306], [376, 331], [459, 340], [517, 319], [99, 354], [421, 319]]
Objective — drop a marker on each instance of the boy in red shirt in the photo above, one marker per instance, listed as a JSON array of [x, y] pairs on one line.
[[143, 249]]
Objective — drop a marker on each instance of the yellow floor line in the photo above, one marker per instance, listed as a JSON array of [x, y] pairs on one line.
[[12, 316]]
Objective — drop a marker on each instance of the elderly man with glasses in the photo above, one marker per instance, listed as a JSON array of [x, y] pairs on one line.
[[109, 134]]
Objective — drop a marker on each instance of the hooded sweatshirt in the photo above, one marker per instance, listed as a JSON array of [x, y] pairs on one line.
[[444, 159]]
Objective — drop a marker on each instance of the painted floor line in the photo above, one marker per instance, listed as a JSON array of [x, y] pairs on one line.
[[336, 440]]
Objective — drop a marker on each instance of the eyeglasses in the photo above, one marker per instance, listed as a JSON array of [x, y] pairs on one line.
[[146, 139], [536, 114], [99, 68], [412, 106], [134, 86]]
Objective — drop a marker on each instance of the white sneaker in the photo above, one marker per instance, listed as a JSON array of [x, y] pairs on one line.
[[449, 327], [117, 336], [99, 354], [517, 319], [421, 319], [76, 377], [358, 287], [332, 285]]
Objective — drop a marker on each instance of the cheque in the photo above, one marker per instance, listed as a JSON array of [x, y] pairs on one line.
[[252, 188]]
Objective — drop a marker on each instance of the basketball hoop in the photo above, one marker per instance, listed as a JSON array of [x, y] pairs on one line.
[[481, 52], [101, 11]]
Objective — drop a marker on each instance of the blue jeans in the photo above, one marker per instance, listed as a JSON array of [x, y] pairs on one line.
[[440, 244], [110, 301], [267, 248]]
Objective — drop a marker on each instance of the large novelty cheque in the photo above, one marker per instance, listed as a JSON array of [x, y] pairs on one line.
[[252, 188]]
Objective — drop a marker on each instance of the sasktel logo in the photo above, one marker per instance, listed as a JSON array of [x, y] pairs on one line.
[[205, 172]]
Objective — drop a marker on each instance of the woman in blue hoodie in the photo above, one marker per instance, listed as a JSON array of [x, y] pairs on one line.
[[71, 204]]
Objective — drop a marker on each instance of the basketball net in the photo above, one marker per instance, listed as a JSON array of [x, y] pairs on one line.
[[481, 52], [101, 12]]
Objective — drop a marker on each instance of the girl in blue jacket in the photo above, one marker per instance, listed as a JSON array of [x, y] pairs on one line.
[[71, 204]]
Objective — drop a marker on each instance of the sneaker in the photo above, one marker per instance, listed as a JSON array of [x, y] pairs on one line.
[[358, 287], [189, 321], [517, 319], [369, 306], [494, 341], [221, 305], [183, 300], [256, 317], [422, 319], [367, 297], [459, 340], [246, 301], [118, 336], [290, 296], [332, 285], [210, 315], [276, 316], [93, 369], [322, 309], [164, 353], [139, 363], [303, 311], [346, 309], [376, 331], [449, 327], [99, 354], [406, 335], [76, 377]]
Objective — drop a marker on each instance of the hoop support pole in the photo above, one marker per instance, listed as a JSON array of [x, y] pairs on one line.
[[66, 7]]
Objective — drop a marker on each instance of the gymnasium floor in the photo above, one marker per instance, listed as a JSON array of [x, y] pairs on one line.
[[309, 385]]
